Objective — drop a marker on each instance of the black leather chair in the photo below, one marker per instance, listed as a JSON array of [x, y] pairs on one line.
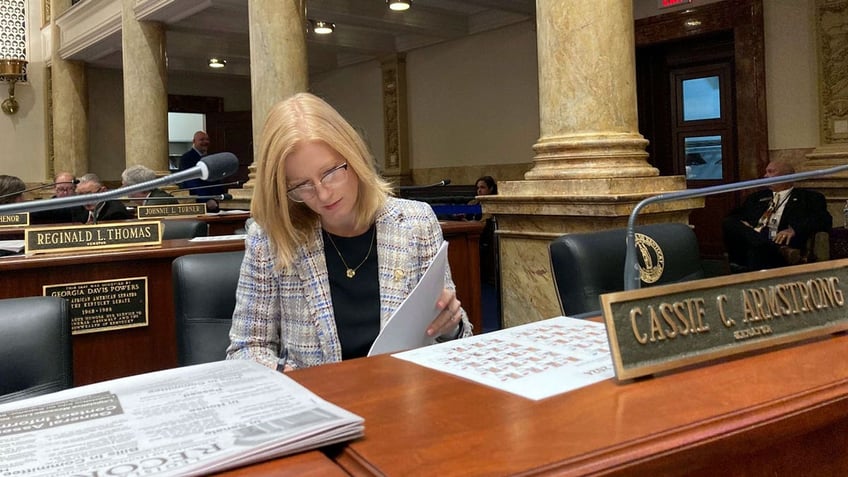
[[204, 300], [35, 347], [587, 265], [184, 229]]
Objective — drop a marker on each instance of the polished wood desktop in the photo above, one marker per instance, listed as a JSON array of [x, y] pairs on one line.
[[115, 353], [306, 464], [780, 412]]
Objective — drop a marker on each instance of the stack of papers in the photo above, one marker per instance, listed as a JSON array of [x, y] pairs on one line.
[[11, 246], [218, 238], [184, 421]]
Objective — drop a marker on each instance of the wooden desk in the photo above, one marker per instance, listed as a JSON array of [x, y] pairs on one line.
[[783, 412], [113, 354], [463, 239], [225, 224], [305, 464]]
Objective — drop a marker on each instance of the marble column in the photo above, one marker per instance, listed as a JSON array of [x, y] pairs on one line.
[[278, 67], [590, 167], [69, 101], [831, 22], [396, 165], [145, 91]]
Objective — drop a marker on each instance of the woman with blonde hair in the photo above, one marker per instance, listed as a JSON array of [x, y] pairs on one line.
[[331, 254]]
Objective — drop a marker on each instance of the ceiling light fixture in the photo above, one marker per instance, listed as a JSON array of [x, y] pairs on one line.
[[399, 5], [323, 28], [216, 63]]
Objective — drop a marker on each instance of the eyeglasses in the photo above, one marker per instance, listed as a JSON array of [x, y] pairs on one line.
[[306, 191]]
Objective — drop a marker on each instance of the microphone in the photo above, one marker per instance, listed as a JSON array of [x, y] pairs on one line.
[[441, 183], [213, 185], [212, 167], [188, 197], [631, 262], [42, 186]]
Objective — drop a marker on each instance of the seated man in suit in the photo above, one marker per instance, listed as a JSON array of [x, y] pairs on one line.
[[138, 174], [96, 212], [771, 228]]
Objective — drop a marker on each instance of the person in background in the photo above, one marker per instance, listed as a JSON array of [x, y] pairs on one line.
[[771, 227], [64, 185], [96, 212], [199, 148], [11, 189], [331, 255], [486, 185], [139, 174]]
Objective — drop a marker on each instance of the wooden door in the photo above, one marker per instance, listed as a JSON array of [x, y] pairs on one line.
[[687, 110], [232, 132]]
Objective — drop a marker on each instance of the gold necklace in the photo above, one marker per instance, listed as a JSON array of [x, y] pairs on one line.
[[351, 272]]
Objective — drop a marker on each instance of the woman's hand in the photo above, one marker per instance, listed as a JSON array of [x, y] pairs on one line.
[[449, 317]]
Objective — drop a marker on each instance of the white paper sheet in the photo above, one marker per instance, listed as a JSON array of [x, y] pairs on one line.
[[14, 246], [407, 327], [536, 360]]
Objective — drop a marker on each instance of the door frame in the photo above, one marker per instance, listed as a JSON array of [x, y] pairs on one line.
[[745, 19]]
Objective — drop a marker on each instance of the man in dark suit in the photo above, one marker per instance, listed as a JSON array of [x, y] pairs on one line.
[[199, 148], [139, 174], [771, 228], [96, 212]]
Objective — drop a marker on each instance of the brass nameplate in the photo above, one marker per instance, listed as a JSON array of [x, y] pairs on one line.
[[104, 305], [173, 210], [14, 220], [92, 237], [671, 326]]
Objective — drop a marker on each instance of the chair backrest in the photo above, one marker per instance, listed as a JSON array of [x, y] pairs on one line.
[[204, 300], [35, 347], [184, 229], [587, 265], [818, 247]]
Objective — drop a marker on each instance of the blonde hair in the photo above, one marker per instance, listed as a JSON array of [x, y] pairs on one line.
[[295, 121]]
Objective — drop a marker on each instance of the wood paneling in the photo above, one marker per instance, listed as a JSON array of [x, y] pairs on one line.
[[113, 354]]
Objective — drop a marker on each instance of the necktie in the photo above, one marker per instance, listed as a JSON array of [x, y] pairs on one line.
[[90, 217], [767, 214]]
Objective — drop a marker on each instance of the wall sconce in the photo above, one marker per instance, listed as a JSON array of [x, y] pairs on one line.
[[11, 71], [322, 27], [399, 5]]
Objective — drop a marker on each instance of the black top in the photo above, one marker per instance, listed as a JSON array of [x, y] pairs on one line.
[[356, 301]]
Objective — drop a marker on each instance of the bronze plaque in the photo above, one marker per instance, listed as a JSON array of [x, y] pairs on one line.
[[92, 237], [105, 304], [667, 327], [173, 210], [14, 220]]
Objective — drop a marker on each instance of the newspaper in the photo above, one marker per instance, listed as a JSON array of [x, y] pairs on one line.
[[184, 421]]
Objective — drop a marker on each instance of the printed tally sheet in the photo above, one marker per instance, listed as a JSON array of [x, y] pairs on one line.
[[535, 361]]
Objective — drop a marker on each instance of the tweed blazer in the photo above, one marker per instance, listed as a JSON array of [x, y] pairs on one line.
[[285, 318]]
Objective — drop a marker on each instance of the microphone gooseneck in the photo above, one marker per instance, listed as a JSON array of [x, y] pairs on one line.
[[632, 281], [441, 183], [42, 186], [214, 167]]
